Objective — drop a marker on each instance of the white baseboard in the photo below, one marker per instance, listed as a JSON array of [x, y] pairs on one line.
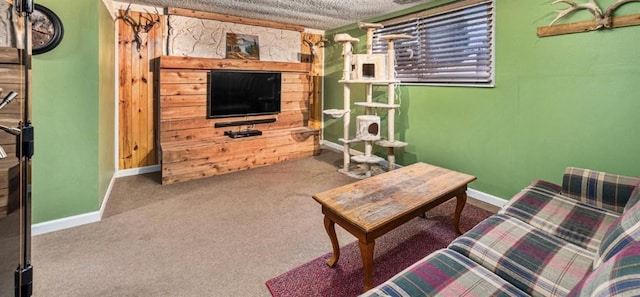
[[138, 171], [65, 223], [488, 198], [90, 217], [73, 221], [478, 195], [339, 147], [331, 145]]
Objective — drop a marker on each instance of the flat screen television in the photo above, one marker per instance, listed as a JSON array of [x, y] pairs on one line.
[[243, 93]]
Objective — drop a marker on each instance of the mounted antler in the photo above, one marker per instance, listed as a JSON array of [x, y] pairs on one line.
[[591, 6], [602, 20], [318, 44], [608, 15], [138, 27]]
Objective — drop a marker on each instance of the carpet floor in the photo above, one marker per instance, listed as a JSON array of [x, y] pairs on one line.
[[394, 252], [219, 236]]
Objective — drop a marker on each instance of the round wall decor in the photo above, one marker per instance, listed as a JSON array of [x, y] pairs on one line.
[[46, 30]]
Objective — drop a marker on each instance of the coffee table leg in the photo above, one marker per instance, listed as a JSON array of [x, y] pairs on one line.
[[461, 200], [366, 252], [329, 225]]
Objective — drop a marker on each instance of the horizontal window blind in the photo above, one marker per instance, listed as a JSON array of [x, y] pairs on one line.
[[451, 47]]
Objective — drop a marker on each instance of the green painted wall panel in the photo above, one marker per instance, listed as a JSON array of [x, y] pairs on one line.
[[66, 115], [558, 101], [106, 107]]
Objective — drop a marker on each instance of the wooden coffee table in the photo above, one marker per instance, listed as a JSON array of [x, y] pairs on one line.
[[374, 206]]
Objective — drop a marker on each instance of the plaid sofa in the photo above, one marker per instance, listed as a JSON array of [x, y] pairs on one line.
[[578, 239]]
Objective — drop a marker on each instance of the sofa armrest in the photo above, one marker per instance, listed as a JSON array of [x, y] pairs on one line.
[[605, 190]]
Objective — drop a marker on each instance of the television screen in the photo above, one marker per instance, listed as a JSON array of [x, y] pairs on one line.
[[240, 93]]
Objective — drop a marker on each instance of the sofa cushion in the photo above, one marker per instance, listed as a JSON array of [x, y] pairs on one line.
[[541, 206], [445, 273], [604, 190], [634, 198], [623, 232], [536, 262], [618, 276]]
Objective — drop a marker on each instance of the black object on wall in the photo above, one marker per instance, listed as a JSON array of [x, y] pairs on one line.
[[19, 187], [235, 93], [244, 123]]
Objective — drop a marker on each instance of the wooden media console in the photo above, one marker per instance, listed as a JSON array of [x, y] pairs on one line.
[[191, 144]]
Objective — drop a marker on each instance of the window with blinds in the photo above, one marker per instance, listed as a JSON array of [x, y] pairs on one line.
[[451, 44]]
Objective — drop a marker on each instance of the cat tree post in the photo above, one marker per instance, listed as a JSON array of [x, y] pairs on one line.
[[347, 50], [391, 95], [367, 69], [369, 27]]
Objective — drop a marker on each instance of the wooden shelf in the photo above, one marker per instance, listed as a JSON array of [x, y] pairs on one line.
[[586, 26], [176, 62], [220, 140], [377, 105], [182, 161]]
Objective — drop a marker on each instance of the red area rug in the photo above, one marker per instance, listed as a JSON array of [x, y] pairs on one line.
[[394, 252]]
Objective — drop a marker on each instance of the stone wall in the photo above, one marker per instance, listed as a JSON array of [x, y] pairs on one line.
[[6, 25], [193, 37]]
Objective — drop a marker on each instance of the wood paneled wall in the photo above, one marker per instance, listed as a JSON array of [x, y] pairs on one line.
[[136, 108], [192, 147], [138, 111], [316, 73]]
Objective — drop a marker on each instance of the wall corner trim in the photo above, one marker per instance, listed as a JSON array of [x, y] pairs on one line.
[[478, 195], [109, 5], [107, 194]]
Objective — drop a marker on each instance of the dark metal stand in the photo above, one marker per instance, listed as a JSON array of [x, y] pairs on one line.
[[24, 152]]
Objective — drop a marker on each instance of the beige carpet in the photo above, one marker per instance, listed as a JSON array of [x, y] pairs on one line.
[[219, 236]]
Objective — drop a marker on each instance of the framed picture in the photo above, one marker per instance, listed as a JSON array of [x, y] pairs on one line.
[[240, 46]]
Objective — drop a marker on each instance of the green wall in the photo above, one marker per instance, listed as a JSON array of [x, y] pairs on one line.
[[569, 100], [71, 113], [106, 106], [559, 101]]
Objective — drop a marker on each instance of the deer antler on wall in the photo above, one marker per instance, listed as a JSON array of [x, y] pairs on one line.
[[608, 15], [142, 26], [591, 6], [602, 20], [314, 46]]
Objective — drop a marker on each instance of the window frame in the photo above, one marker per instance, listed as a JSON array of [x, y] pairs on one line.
[[443, 9]]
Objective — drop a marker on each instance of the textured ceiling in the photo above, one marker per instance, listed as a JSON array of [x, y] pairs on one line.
[[313, 14]]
